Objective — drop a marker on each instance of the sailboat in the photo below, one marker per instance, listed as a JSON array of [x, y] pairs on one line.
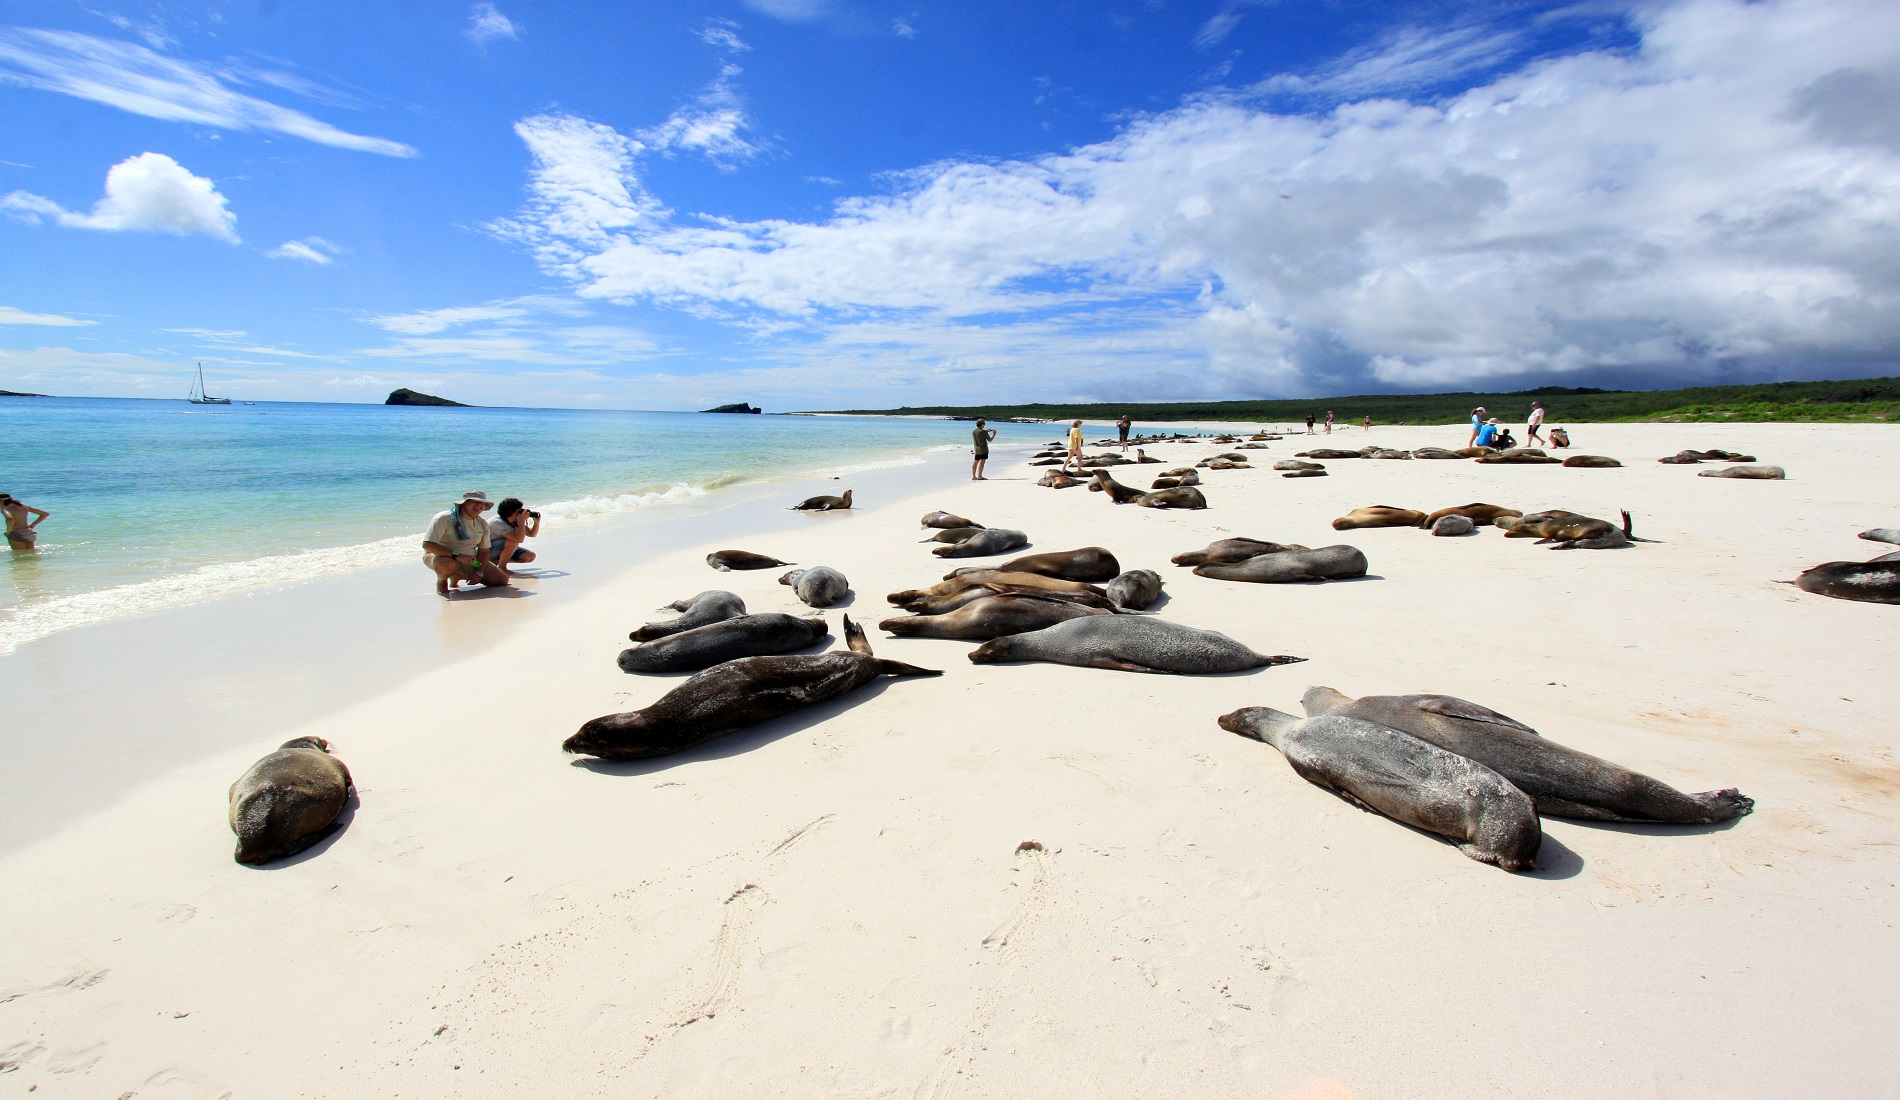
[[198, 394]]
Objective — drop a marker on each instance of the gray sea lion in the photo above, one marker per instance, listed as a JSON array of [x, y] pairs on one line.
[[972, 578], [1435, 452], [1453, 524], [1181, 496], [944, 605], [993, 540], [1328, 563], [706, 646], [819, 586], [1725, 456], [1563, 782], [1222, 464], [1135, 589], [1297, 464], [1592, 462], [824, 504], [952, 534], [726, 560], [1748, 473], [1518, 456], [287, 801], [1893, 556], [1406, 779], [1252, 447], [732, 696], [1305, 473], [1386, 453], [948, 520], [1479, 514], [992, 616], [1128, 643], [1056, 480], [713, 606], [1876, 581], [1117, 492], [1881, 534], [1090, 563], [1227, 551], [1327, 452], [1378, 515]]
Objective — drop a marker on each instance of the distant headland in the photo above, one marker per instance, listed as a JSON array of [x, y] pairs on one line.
[[735, 407], [410, 397], [10, 393]]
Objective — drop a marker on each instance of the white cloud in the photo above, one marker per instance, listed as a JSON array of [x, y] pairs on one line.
[[12, 316], [429, 321], [150, 192], [313, 250], [1408, 58], [1719, 199], [902, 28], [517, 330], [722, 34], [224, 335], [713, 124], [793, 11], [135, 79], [486, 23]]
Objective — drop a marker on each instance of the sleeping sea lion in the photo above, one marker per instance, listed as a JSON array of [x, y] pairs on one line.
[[1222, 464], [1117, 492], [287, 801], [1573, 532], [726, 560], [1048, 462], [1181, 496], [1480, 515], [1881, 534], [992, 540], [1127, 643], [1592, 462], [952, 534], [992, 616], [1533, 526], [1561, 781], [1435, 452], [1056, 480], [1406, 779], [1385, 452], [1378, 515], [708, 607], [1518, 456], [1326, 452], [1876, 581], [1091, 563], [706, 646], [1296, 464], [819, 586], [1188, 474], [1320, 472], [733, 696], [1682, 458], [1749, 473], [1135, 589], [1226, 551], [1453, 524], [972, 578], [944, 605], [1327, 563], [824, 504], [1164, 483], [947, 520], [1474, 452], [1725, 456]]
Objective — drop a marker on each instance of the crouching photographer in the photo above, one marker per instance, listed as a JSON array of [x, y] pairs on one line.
[[512, 524]]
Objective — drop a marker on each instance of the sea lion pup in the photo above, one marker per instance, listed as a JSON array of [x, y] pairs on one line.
[[825, 504], [727, 560], [1881, 534], [1227, 551], [1481, 515], [1876, 581], [1435, 452], [1297, 464], [1328, 563], [1318, 472], [1091, 563], [992, 616], [991, 540], [1749, 473], [1141, 457], [1135, 589], [1222, 464], [1127, 643], [1536, 525], [1453, 524], [1518, 456], [952, 534], [1327, 452], [971, 578], [733, 696], [819, 586], [1055, 480], [947, 520], [286, 801], [1378, 515], [1406, 779], [1726, 456], [706, 646], [1181, 496], [1474, 452], [708, 607], [1682, 458], [1561, 781], [1117, 492], [1592, 462], [1586, 533]]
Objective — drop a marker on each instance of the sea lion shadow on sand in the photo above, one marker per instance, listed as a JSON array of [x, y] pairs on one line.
[[1556, 861], [330, 834], [499, 592], [1655, 828]]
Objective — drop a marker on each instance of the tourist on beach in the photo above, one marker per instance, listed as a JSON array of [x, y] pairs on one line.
[[1122, 426], [1329, 421], [20, 531], [1559, 438], [1487, 435], [456, 546], [513, 522], [1368, 423], [1477, 422], [982, 436], [1075, 448], [1309, 423], [1531, 438]]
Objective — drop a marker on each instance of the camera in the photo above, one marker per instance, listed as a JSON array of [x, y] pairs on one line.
[[536, 515]]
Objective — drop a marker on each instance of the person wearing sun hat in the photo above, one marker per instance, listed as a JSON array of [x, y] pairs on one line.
[[455, 547]]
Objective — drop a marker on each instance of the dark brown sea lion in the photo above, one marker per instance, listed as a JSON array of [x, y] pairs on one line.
[[948, 520], [1181, 496], [1561, 781], [1327, 563], [1726, 456], [1436, 452], [1568, 531], [1091, 563], [992, 616], [1297, 464], [1748, 473], [992, 540], [1306, 473], [725, 560], [1227, 551], [944, 605], [1518, 456], [702, 610], [1682, 458], [1047, 462], [287, 801], [1406, 779], [1141, 457], [1055, 480], [1592, 462], [1222, 464], [1533, 526], [1481, 515], [1378, 515], [961, 580], [706, 646], [1876, 581], [953, 534], [1474, 452], [1135, 589], [825, 504], [1128, 643], [1327, 452], [1117, 492], [730, 697]]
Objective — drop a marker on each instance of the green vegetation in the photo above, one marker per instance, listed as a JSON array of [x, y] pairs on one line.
[[1865, 399]]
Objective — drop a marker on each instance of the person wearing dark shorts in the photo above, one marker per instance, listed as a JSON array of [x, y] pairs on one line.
[[982, 436], [1122, 426], [1309, 423]]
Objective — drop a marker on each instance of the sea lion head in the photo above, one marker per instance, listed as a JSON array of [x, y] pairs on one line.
[[317, 743], [604, 737], [994, 651]]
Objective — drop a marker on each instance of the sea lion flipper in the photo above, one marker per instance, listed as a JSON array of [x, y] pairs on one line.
[[888, 667], [1453, 707], [854, 637]]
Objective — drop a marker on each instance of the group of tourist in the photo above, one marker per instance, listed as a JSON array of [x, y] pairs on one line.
[[464, 547], [1487, 432]]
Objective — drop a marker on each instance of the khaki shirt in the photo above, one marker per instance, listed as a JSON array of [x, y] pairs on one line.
[[442, 533]]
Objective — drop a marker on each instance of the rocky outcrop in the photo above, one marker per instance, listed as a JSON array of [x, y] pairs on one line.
[[736, 407], [410, 397]]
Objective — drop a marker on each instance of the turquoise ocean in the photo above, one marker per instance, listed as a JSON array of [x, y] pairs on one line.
[[156, 503]]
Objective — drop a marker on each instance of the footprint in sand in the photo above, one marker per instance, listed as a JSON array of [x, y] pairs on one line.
[[78, 977], [174, 1084], [75, 1061], [798, 837], [19, 1054], [731, 948]]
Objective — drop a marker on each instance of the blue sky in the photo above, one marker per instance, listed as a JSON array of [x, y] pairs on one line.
[[830, 203]]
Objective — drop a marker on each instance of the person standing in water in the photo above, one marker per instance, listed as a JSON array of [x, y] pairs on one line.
[[1075, 448], [20, 531], [981, 436], [1531, 438]]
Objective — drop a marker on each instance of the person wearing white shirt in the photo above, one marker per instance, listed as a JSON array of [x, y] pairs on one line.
[[513, 522], [456, 546], [1531, 438]]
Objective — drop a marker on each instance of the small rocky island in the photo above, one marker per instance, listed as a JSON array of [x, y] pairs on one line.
[[10, 393], [737, 407], [407, 396]]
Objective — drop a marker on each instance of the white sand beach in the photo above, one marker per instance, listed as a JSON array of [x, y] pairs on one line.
[[837, 904]]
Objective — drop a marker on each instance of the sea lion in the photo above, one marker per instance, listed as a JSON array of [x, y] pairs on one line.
[[1164, 483], [1135, 589], [1480, 515], [1047, 462], [1453, 524], [1227, 551], [287, 801], [1127, 643], [947, 520], [1378, 515], [1592, 462], [1518, 456], [992, 540], [1306, 473], [1091, 563], [1252, 447], [733, 696], [726, 560], [991, 616], [1328, 563], [944, 605], [1141, 457], [1326, 452], [1893, 556], [1563, 782], [1385, 452], [706, 646], [1682, 458], [1587, 533], [1534, 525], [1725, 456], [1187, 474], [1055, 480], [1474, 452], [971, 578], [819, 586], [1297, 464], [952, 534], [1749, 473], [1222, 464], [708, 607], [1881, 534], [824, 504], [1435, 452], [1117, 492], [1406, 779], [1876, 581], [1181, 496]]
